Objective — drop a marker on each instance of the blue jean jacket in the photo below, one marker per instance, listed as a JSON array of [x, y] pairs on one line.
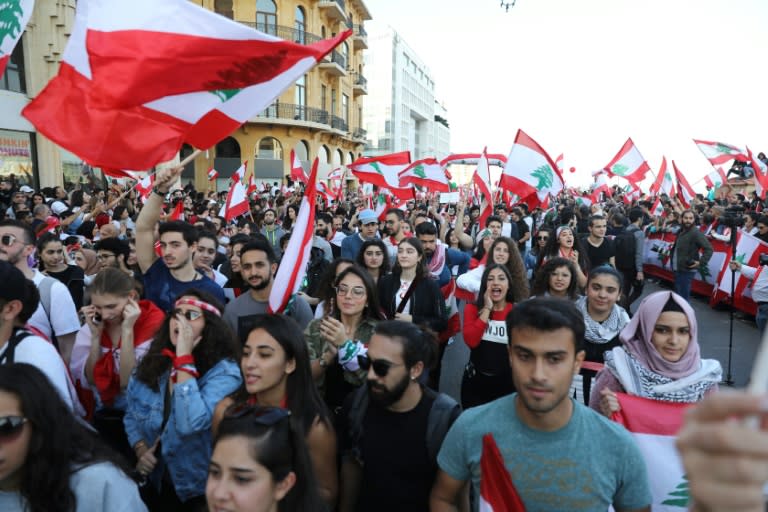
[[186, 439]]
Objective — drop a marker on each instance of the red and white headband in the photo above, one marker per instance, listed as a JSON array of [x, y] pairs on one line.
[[198, 304]]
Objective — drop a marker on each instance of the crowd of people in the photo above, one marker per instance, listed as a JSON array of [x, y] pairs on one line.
[[142, 368]]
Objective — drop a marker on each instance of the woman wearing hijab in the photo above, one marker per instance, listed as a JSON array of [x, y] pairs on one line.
[[659, 359]]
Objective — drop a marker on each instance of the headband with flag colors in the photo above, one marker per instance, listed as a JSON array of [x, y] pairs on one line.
[[425, 173], [212, 174], [383, 171], [289, 277], [14, 20], [719, 153], [761, 174], [88, 116], [482, 180], [663, 182], [716, 178], [237, 202], [684, 190], [628, 163], [297, 171], [530, 172]]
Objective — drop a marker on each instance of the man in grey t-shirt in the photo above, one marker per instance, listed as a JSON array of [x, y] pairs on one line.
[[258, 265]]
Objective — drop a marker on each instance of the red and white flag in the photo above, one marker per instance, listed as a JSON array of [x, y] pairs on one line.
[[239, 174], [15, 16], [297, 171], [748, 251], [719, 153], [251, 186], [157, 104], [761, 174], [474, 159], [631, 192], [212, 174], [559, 163], [383, 171], [144, 187], [716, 178], [178, 212], [684, 190], [289, 276], [497, 491], [628, 163], [482, 180], [425, 173], [451, 309], [237, 202], [600, 186], [530, 172], [664, 182], [654, 425], [657, 210], [324, 190]]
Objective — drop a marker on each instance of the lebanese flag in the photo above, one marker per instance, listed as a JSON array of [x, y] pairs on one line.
[[289, 276], [600, 185], [15, 18], [497, 492], [251, 186], [144, 187], [631, 193], [178, 212], [482, 180], [239, 174], [328, 194], [684, 190], [117, 173], [657, 210], [716, 178], [654, 425], [383, 171], [530, 172], [474, 158], [337, 174], [237, 202], [761, 174], [425, 173], [73, 112], [297, 171], [748, 251], [663, 182], [559, 163], [628, 163], [212, 174], [719, 153]]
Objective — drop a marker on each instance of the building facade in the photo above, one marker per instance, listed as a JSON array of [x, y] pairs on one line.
[[320, 116], [401, 111]]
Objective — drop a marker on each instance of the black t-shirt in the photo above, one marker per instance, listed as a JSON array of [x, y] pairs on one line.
[[522, 229], [397, 471], [599, 255], [74, 279]]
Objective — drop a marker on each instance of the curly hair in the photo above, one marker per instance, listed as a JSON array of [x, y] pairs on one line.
[[518, 282], [218, 342], [57, 441], [541, 283], [552, 249]]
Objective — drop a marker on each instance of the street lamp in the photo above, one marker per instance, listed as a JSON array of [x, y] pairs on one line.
[[507, 5]]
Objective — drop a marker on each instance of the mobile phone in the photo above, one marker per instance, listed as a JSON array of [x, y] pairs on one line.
[[332, 307], [97, 318]]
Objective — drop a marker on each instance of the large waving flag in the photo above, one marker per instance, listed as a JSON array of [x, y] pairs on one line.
[[482, 180], [654, 425], [761, 174], [719, 153], [716, 178], [497, 492], [684, 190], [383, 171], [628, 163], [114, 125], [296, 256], [530, 172], [14, 16], [297, 171], [664, 182], [425, 173]]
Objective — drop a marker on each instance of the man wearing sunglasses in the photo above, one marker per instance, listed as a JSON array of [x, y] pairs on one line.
[[558, 453], [56, 316], [384, 427]]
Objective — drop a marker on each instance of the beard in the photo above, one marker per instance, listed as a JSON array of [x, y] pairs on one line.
[[322, 233], [385, 397], [261, 286]]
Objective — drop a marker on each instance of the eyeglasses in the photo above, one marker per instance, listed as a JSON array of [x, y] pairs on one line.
[[380, 366], [358, 292], [11, 426], [261, 415], [8, 240], [189, 314], [104, 256], [545, 238]]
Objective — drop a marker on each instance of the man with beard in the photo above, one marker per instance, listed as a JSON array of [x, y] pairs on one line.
[[393, 231], [685, 254], [368, 225], [323, 223], [546, 439], [258, 265], [440, 258], [272, 231], [168, 277], [391, 430]]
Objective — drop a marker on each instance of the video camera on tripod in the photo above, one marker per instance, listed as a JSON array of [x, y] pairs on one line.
[[733, 216]]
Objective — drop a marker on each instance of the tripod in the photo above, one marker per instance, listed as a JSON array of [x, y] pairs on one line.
[[728, 381]]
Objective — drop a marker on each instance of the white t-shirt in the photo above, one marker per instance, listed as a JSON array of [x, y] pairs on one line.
[[64, 317]]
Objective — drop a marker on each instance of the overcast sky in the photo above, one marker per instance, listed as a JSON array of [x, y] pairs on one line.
[[580, 76]]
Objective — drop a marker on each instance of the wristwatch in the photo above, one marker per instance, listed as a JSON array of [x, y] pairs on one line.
[[158, 192]]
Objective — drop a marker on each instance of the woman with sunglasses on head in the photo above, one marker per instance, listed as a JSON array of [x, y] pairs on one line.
[[276, 373], [260, 464], [117, 333], [335, 340], [190, 367], [537, 248], [487, 375], [556, 278], [50, 461], [373, 257], [565, 245], [503, 251], [53, 263]]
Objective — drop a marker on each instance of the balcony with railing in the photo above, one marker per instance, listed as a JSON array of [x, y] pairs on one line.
[[334, 63], [360, 85], [334, 9], [283, 32], [337, 123], [359, 37], [359, 134], [290, 113]]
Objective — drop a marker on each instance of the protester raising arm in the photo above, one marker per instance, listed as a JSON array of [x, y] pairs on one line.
[[150, 214]]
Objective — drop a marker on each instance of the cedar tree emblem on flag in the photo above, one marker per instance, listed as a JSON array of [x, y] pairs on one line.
[[10, 19], [545, 176]]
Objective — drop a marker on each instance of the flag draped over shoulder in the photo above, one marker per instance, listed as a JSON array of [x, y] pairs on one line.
[[170, 89], [628, 163], [384, 171], [497, 492], [425, 173], [719, 153], [14, 19], [296, 255], [530, 172], [654, 425]]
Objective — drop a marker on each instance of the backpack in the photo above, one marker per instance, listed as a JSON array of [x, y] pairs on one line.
[[625, 244], [316, 267], [443, 413]]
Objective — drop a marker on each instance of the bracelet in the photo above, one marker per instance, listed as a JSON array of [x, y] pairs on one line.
[[157, 191]]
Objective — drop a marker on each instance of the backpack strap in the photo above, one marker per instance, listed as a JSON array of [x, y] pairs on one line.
[[45, 289], [443, 413], [17, 337]]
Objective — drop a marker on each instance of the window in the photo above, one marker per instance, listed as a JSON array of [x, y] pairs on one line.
[[270, 149], [333, 102], [302, 150], [300, 26], [228, 148], [224, 7], [13, 79], [323, 96], [266, 16], [300, 93], [322, 154], [345, 108], [344, 50]]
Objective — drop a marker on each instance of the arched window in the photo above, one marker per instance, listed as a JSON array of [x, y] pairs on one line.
[[322, 32], [228, 148], [338, 157], [266, 16], [300, 25], [223, 7], [269, 149], [322, 155], [302, 150], [350, 158]]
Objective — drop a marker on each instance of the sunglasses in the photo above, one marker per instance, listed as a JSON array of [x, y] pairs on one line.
[[542, 238], [189, 314], [11, 426], [8, 240], [380, 366], [261, 415], [358, 292]]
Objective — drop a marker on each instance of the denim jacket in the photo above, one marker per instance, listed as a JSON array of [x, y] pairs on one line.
[[185, 442]]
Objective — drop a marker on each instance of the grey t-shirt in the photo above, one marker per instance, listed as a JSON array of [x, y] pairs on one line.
[[240, 313], [589, 464]]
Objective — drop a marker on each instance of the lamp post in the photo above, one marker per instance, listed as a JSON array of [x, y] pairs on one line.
[[507, 5]]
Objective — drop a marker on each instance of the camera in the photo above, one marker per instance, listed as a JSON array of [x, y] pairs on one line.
[[733, 217], [763, 259]]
